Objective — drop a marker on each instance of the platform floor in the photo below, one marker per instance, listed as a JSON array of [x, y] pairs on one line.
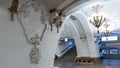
[[67, 61], [105, 64]]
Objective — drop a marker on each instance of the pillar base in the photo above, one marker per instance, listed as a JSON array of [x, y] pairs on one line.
[[87, 60]]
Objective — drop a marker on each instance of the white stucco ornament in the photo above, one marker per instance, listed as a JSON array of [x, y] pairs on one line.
[[35, 55], [33, 19]]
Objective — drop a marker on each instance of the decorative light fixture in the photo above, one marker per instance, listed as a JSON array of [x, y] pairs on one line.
[[97, 20], [13, 8], [57, 20], [96, 8], [107, 32]]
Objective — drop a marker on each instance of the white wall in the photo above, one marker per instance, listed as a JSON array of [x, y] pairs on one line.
[[15, 49]]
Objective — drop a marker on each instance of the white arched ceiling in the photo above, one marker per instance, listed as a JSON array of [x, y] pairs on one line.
[[110, 10], [73, 31], [78, 25], [83, 11], [66, 31], [81, 4], [83, 47], [70, 27], [76, 6], [76, 29], [89, 35]]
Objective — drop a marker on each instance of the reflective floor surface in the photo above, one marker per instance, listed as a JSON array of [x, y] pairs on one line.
[[104, 64], [68, 61]]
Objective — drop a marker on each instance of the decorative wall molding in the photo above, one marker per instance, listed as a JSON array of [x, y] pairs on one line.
[[32, 32], [35, 4], [73, 17]]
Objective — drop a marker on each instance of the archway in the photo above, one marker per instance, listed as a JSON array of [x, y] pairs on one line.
[[69, 31], [84, 38], [78, 32]]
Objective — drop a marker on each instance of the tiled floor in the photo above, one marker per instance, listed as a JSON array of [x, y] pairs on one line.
[[67, 61]]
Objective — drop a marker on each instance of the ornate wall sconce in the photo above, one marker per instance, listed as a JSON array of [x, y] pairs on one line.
[[58, 25], [54, 19], [57, 20], [52, 23], [13, 8]]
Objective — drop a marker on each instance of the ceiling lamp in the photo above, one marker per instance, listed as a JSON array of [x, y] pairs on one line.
[[97, 20], [107, 32], [57, 19]]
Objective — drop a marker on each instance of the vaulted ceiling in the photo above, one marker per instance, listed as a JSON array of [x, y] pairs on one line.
[[110, 9], [51, 4]]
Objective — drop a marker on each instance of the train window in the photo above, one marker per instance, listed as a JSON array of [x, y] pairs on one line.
[[105, 51], [113, 51]]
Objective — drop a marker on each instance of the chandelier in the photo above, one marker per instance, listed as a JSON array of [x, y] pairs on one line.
[[107, 32], [97, 20]]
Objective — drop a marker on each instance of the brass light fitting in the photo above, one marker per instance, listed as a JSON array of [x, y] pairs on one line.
[[106, 32], [97, 21], [13, 8], [57, 19]]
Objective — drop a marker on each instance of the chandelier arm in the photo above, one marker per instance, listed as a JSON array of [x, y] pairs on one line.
[[92, 23], [103, 20], [95, 22], [100, 22]]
